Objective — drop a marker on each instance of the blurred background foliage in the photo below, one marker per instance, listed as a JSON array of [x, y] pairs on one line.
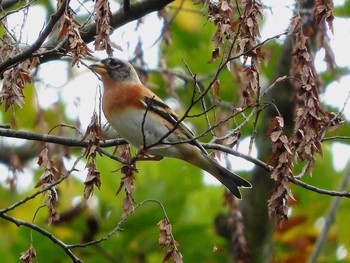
[[191, 205]]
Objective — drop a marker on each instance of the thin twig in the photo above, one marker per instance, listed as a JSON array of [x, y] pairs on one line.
[[44, 189], [329, 219], [118, 226], [204, 106], [19, 222], [5, 132], [37, 44], [35, 227], [247, 157], [336, 138], [17, 10], [257, 115], [319, 190]]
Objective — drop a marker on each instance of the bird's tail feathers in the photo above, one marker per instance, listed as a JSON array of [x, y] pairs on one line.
[[231, 180]]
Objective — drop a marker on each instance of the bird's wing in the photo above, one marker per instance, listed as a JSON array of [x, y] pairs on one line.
[[156, 105]]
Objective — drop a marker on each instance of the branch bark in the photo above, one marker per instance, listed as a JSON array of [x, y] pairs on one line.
[[19, 222], [119, 18], [329, 219], [27, 53], [87, 32]]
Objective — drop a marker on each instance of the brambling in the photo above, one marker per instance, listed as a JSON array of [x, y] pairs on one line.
[[145, 121]]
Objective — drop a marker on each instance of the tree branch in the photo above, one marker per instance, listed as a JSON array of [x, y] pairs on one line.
[[8, 4], [19, 222], [119, 18], [70, 142], [247, 157], [319, 190], [87, 32], [329, 219], [28, 53], [44, 189], [118, 226]]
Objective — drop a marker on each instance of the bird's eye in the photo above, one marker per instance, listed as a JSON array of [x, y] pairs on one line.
[[115, 63]]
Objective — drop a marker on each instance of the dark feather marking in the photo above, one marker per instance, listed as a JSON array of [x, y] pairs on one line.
[[160, 108]]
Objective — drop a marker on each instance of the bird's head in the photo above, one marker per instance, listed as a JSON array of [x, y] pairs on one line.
[[117, 69]]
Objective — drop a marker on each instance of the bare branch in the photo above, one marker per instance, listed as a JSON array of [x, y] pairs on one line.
[[118, 226], [329, 219], [17, 10], [8, 4], [247, 157], [37, 44], [319, 190], [44, 189], [55, 139], [336, 138], [87, 32], [19, 222]]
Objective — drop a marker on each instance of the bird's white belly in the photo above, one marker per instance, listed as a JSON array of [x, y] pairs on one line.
[[140, 130]]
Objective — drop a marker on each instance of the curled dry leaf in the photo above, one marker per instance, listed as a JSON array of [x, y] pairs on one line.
[[67, 27], [238, 241], [50, 174], [15, 80], [102, 17], [216, 89], [249, 35], [27, 256], [127, 182], [324, 12], [92, 179], [165, 232], [250, 85], [167, 241], [221, 13], [94, 134], [282, 157], [217, 249], [310, 117]]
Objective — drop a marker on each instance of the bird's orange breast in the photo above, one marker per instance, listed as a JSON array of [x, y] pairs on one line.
[[118, 98]]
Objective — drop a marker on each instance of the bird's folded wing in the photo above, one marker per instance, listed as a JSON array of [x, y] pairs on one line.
[[157, 106]]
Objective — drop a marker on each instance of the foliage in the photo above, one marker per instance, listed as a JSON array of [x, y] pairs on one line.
[[93, 199]]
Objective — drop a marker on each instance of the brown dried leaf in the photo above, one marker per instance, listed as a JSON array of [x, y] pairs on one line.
[[51, 173], [177, 257], [93, 135], [127, 183], [165, 232], [216, 89], [324, 12], [215, 55], [67, 27], [166, 240], [310, 117], [92, 179], [102, 17], [15, 80], [217, 249], [54, 216], [168, 255], [44, 158], [27, 256], [282, 155]]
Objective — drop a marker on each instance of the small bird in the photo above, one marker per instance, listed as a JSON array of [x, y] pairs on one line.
[[146, 122]]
